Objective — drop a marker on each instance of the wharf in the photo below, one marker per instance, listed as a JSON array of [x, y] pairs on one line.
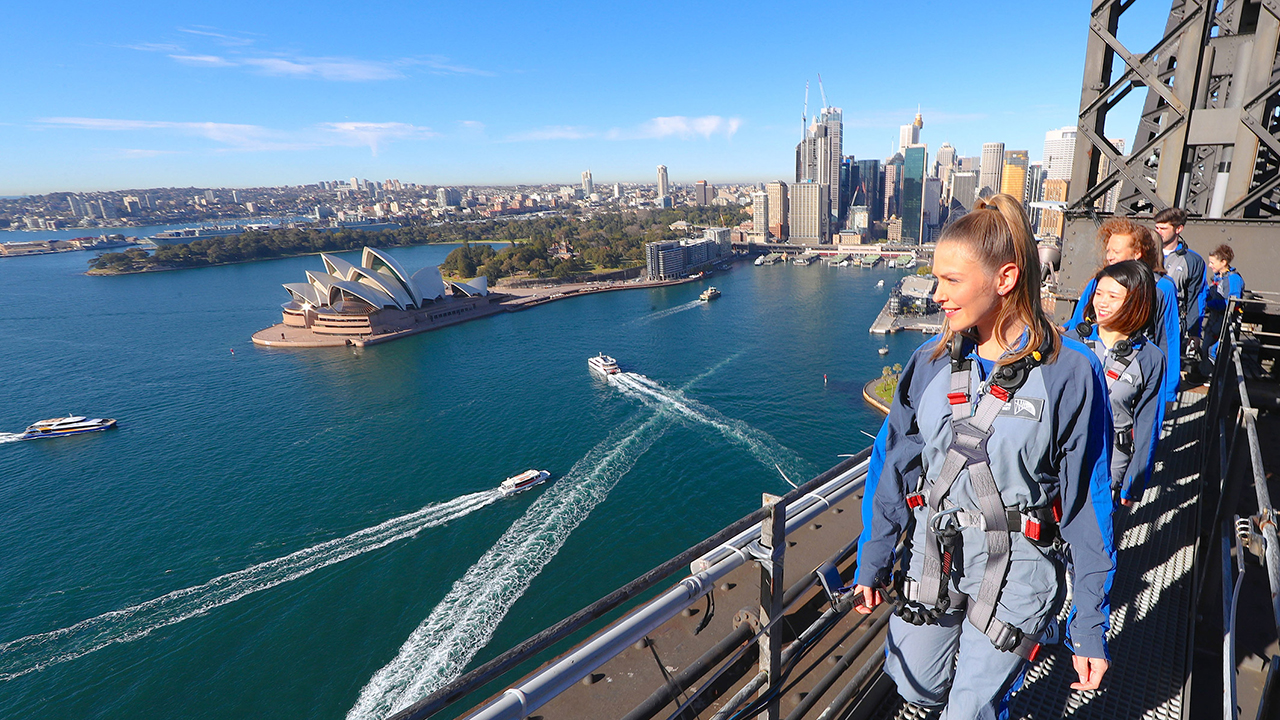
[[887, 322]]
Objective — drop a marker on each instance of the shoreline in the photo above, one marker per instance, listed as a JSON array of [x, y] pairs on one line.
[[508, 300], [869, 394], [95, 272]]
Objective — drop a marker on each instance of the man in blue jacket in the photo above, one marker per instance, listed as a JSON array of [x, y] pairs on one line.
[[1187, 270]]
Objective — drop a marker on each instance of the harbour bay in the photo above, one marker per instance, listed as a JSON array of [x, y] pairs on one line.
[[226, 461]]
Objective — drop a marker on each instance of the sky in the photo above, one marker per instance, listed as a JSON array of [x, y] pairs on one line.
[[103, 96]]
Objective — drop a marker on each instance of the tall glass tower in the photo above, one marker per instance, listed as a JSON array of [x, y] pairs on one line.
[[912, 202]]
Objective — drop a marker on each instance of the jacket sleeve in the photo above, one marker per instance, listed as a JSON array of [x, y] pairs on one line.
[[1214, 300], [1077, 315], [1148, 416], [1197, 290], [1084, 439], [895, 458], [1235, 284], [1171, 328]]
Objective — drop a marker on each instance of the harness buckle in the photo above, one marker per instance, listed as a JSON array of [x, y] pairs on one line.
[[958, 398], [1034, 653], [970, 442], [935, 522], [1113, 374], [1031, 528], [999, 392], [915, 500]]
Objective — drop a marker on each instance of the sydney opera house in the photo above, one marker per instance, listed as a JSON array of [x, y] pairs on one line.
[[377, 297]]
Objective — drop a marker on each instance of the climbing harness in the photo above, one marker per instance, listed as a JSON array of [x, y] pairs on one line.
[[923, 601]]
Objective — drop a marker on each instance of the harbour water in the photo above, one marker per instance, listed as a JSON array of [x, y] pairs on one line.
[[313, 534]]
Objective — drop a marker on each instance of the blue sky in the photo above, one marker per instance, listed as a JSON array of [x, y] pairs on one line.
[[105, 96]]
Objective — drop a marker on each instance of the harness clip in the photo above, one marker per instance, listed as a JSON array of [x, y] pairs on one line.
[[915, 500], [958, 398], [1031, 528], [999, 392]]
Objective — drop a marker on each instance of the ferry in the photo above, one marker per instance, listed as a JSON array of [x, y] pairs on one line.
[[709, 294], [603, 364], [70, 425], [523, 481]]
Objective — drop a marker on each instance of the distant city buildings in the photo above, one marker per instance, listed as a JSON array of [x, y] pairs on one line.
[[664, 186], [912, 202], [588, 186], [992, 173], [779, 210], [1013, 179], [1059, 152], [909, 135], [810, 213], [702, 193]]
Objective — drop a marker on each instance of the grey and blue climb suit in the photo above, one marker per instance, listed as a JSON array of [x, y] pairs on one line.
[[1187, 270], [1052, 440], [1137, 410], [1165, 331], [1222, 289]]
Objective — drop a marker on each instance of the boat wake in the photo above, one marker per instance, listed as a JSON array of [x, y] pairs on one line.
[[36, 652], [762, 446], [464, 621], [668, 312], [10, 437]]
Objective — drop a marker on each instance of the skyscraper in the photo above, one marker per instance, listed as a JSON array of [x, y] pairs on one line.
[[588, 186], [912, 203], [992, 167], [945, 163], [867, 189], [760, 215], [964, 188], [701, 193], [779, 210], [1051, 220], [1059, 152], [848, 178], [819, 152], [1108, 202], [892, 183], [909, 135], [1013, 179], [810, 212], [1035, 188], [663, 185]]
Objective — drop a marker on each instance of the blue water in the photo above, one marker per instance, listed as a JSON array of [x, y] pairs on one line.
[[295, 534]]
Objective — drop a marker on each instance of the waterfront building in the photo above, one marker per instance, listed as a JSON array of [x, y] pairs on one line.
[[673, 259], [664, 260], [867, 189], [1051, 221], [912, 202], [859, 218], [779, 210], [1059, 152], [964, 188], [992, 168], [1014, 175], [810, 213], [588, 186], [664, 186], [760, 216], [377, 296]]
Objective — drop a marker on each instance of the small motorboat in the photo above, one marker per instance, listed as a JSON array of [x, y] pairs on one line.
[[709, 294], [603, 364], [523, 481], [70, 425], [883, 351], [880, 284]]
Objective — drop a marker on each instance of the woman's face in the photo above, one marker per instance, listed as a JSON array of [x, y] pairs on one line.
[[1122, 247], [966, 290], [1218, 265], [1108, 298]]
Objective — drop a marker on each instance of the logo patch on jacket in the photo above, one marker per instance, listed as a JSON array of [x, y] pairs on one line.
[[1025, 408]]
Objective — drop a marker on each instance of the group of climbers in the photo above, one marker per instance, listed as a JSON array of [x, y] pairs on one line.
[[1011, 442]]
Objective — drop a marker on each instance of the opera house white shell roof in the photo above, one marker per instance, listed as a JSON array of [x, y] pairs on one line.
[[379, 281]]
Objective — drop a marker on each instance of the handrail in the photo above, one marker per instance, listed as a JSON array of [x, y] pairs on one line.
[[798, 514]]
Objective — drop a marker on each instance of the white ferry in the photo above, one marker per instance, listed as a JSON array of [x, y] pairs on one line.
[[70, 425], [603, 364], [709, 294], [522, 482]]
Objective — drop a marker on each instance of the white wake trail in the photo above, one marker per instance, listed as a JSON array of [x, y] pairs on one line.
[[10, 437], [35, 652], [762, 446], [464, 621], [668, 312]]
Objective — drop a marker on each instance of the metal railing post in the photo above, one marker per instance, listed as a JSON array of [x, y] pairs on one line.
[[773, 540]]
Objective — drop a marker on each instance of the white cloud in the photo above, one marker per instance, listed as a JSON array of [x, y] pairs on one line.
[[473, 125], [203, 60], [340, 69], [679, 126], [221, 38], [234, 137], [552, 132]]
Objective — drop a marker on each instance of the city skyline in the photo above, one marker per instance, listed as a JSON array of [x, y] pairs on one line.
[[246, 96]]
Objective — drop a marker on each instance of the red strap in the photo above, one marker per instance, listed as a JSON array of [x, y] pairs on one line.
[[915, 500], [1030, 527], [1035, 653], [1113, 374], [958, 398], [999, 392], [1057, 509]]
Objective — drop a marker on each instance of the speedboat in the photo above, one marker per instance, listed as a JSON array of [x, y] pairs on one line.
[[759, 261], [880, 284], [883, 351], [603, 364], [709, 294], [70, 425], [522, 482]]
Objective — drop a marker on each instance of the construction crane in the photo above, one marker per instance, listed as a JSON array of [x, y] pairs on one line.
[[824, 92]]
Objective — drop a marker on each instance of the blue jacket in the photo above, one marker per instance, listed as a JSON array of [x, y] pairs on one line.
[[1060, 447], [1166, 330], [1135, 401], [1223, 288]]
